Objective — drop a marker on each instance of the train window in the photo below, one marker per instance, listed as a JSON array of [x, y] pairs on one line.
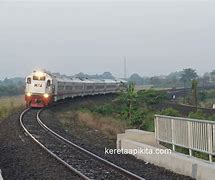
[[39, 78], [48, 83], [60, 87], [29, 80], [89, 87]]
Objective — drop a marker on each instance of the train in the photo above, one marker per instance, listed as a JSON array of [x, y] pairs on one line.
[[43, 87]]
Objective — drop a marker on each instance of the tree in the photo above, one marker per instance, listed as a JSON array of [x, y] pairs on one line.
[[107, 75], [205, 79], [156, 81], [136, 79], [170, 112], [129, 97], [212, 74], [150, 97], [188, 75]]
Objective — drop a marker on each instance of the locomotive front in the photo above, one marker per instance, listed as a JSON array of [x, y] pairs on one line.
[[39, 89]]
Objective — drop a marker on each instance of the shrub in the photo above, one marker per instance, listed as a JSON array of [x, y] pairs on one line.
[[143, 119], [170, 112], [212, 118], [202, 96], [210, 94], [197, 115], [148, 124], [137, 117], [106, 109], [150, 97]]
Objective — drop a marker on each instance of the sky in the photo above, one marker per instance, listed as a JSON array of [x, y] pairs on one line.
[[156, 37]]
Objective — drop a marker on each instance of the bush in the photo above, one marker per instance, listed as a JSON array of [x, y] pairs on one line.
[[212, 118], [148, 124], [210, 94], [143, 119], [197, 115], [150, 97], [137, 117], [106, 109], [202, 96], [170, 112]]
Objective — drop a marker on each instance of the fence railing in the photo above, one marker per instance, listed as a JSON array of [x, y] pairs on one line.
[[193, 134]]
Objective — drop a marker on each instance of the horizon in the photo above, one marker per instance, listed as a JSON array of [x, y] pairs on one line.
[[61, 73]]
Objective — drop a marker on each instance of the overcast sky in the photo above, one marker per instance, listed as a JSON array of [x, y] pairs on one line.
[[156, 37]]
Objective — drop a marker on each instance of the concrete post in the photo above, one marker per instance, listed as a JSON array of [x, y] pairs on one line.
[[1, 178], [189, 138], [210, 144], [173, 134]]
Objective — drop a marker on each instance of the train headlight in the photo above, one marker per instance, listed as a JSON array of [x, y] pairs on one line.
[[46, 95], [28, 94], [39, 74]]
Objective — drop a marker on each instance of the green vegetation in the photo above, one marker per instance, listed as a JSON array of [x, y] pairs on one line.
[[10, 87], [151, 97], [129, 97], [197, 115], [131, 109], [187, 76], [10, 104], [10, 95], [135, 109], [181, 78], [200, 115], [170, 112], [199, 98]]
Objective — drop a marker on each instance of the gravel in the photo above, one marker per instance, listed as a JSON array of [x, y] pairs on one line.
[[21, 159], [85, 164]]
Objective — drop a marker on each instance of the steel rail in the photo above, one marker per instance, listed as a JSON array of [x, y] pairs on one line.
[[47, 150], [108, 163]]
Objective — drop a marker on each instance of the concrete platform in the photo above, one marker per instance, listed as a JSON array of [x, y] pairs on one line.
[[176, 162]]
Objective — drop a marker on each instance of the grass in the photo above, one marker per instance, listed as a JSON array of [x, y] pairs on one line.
[[9, 105], [208, 103], [108, 125], [183, 150]]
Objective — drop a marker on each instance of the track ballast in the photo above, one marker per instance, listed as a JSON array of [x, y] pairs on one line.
[[84, 163]]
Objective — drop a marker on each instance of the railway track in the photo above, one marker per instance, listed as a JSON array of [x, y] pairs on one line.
[[82, 162]]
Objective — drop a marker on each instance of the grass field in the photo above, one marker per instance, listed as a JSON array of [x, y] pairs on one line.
[[108, 125], [9, 105]]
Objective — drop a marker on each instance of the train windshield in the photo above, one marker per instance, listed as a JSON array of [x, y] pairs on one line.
[[39, 78]]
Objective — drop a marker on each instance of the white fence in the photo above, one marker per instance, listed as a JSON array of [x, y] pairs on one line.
[[197, 135]]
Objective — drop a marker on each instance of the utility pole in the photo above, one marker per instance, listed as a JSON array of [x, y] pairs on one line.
[[125, 68]]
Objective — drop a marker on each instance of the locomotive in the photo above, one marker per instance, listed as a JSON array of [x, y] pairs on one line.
[[44, 88]]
